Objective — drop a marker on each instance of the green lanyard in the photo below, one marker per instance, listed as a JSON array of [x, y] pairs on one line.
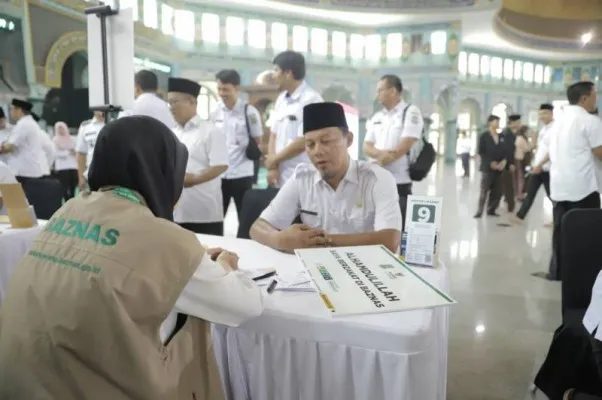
[[127, 194]]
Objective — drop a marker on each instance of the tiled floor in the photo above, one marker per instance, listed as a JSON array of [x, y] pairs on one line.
[[501, 329]]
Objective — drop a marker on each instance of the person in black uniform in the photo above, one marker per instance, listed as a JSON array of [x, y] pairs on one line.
[[508, 137], [492, 152]]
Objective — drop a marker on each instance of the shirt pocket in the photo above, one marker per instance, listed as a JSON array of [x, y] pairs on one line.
[[361, 220], [313, 221]]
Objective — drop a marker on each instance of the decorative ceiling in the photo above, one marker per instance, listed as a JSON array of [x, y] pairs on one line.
[[388, 4], [551, 24]]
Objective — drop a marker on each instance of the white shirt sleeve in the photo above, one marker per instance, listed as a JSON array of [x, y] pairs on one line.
[[594, 131], [221, 297], [218, 150], [255, 125], [284, 208], [48, 147], [81, 146], [370, 137], [386, 200], [413, 123]]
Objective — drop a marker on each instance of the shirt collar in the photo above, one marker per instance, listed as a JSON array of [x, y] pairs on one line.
[[351, 175], [398, 108], [296, 95], [194, 122], [238, 106]]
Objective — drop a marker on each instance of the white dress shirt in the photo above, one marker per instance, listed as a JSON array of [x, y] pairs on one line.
[[573, 170], [28, 159], [207, 148], [286, 122], [3, 137], [233, 124], [65, 159], [366, 200], [387, 128], [214, 295], [151, 105], [593, 315], [543, 145], [49, 149], [464, 145], [86, 139]]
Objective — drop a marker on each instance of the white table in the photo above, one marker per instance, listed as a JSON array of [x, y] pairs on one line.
[[297, 351], [14, 243]]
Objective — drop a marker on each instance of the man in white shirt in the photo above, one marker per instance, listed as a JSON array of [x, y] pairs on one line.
[[86, 140], [341, 202], [147, 101], [575, 147], [5, 128], [286, 148], [6, 176], [47, 145], [464, 148], [540, 174], [241, 123], [392, 132], [200, 207], [26, 157]]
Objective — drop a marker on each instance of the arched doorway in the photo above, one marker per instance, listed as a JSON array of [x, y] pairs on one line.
[[469, 120], [207, 100]]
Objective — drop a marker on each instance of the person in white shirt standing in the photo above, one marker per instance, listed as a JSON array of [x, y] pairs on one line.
[[286, 148], [575, 145], [200, 207], [241, 123], [5, 129], [24, 146], [47, 145], [65, 164], [84, 147], [391, 133], [147, 101], [540, 173], [464, 148]]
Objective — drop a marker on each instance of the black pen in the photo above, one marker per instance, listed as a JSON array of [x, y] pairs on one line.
[[272, 286], [264, 276]]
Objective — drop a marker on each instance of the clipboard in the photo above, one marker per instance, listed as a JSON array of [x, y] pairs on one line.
[[20, 214]]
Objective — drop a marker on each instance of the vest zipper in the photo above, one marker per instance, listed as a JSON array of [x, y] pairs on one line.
[[193, 396]]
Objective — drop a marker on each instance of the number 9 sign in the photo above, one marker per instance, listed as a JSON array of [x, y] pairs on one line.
[[423, 213]]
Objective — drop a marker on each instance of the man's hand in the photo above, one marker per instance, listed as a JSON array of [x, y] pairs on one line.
[[300, 236], [273, 177], [494, 165], [512, 167], [537, 170], [502, 165], [214, 252], [228, 260], [271, 162], [386, 157]]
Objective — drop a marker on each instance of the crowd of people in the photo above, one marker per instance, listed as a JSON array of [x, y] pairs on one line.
[[160, 163]]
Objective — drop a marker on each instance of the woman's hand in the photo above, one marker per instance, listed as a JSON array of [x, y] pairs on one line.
[[214, 252], [228, 260]]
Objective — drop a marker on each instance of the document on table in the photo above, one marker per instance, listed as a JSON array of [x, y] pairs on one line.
[[420, 249], [299, 282], [368, 280]]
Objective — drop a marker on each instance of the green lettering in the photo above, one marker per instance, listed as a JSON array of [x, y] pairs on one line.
[[69, 230], [110, 238], [80, 229], [93, 234], [57, 227]]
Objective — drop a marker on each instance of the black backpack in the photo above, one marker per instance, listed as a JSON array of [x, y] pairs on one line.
[[252, 152], [420, 168]]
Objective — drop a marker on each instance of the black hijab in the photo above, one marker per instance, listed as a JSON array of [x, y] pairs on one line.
[[142, 154]]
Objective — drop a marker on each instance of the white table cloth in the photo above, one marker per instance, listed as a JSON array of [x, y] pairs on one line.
[[297, 351], [14, 243]]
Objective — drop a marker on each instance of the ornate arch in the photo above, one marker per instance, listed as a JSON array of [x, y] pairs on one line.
[[61, 50]]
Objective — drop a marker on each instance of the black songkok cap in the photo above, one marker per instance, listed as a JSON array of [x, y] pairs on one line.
[[182, 85], [22, 104], [546, 106], [323, 115], [513, 117]]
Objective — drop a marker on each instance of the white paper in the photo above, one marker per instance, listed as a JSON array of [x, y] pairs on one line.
[[367, 280], [420, 249], [120, 51]]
